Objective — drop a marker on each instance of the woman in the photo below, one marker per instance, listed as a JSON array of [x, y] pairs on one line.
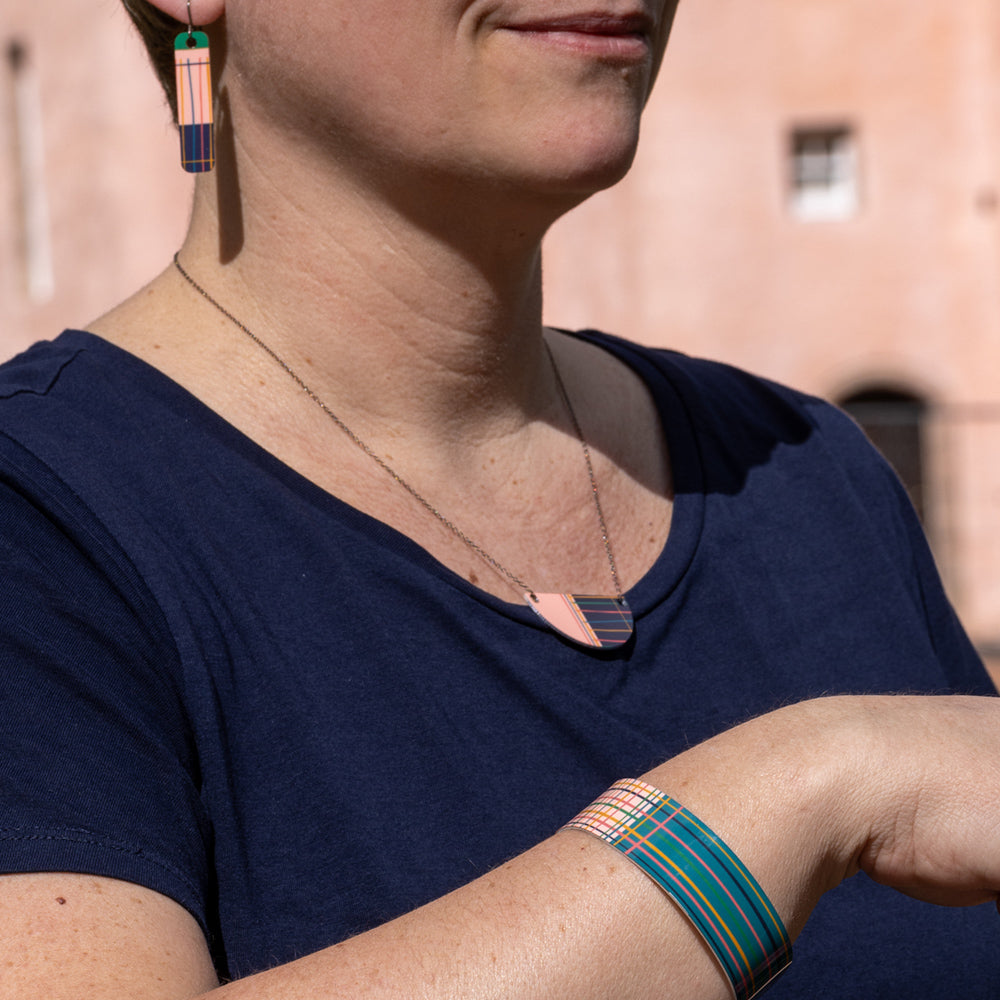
[[289, 665]]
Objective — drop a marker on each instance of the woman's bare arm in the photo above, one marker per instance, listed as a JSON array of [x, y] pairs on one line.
[[905, 788], [65, 937]]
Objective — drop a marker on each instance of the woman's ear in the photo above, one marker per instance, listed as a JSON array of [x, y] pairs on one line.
[[202, 11]]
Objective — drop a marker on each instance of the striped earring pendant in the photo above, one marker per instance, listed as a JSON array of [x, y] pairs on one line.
[[194, 101]]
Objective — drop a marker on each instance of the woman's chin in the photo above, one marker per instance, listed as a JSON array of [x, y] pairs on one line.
[[590, 170]]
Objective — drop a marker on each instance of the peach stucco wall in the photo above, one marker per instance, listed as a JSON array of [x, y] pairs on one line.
[[117, 204], [697, 248]]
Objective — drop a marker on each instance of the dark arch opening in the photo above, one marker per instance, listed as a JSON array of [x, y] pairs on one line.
[[895, 422]]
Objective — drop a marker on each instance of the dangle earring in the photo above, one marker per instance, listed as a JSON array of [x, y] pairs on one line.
[[194, 99]]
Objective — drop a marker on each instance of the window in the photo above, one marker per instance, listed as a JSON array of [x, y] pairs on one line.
[[28, 155], [824, 183], [894, 422]]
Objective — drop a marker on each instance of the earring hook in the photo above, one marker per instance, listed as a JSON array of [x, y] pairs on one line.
[[190, 24]]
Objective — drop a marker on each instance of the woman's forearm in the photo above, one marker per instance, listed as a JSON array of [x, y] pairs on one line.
[[906, 789], [573, 918]]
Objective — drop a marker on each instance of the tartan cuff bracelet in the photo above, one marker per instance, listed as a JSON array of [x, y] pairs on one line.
[[701, 875]]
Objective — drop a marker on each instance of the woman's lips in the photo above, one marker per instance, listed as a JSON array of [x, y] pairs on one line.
[[622, 38]]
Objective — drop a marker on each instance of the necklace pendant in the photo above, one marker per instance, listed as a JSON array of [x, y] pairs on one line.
[[588, 619]]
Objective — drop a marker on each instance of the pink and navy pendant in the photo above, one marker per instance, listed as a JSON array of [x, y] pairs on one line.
[[588, 619]]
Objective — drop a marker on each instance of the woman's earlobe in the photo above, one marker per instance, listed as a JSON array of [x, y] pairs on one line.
[[195, 12]]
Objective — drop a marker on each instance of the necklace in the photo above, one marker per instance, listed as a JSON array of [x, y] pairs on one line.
[[588, 619]]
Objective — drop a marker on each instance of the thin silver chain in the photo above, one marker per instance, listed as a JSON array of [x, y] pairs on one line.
[[381, 462]]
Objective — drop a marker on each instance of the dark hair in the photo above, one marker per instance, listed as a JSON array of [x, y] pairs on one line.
[[158, 31]]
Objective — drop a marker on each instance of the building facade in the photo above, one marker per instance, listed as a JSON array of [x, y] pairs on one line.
[[816, 198], [91, 198]]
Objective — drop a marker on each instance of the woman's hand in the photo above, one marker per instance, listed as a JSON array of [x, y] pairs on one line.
[[932, 781], [906, 789]]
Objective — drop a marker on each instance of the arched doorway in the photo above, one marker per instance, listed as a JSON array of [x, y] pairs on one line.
[[895, 422]]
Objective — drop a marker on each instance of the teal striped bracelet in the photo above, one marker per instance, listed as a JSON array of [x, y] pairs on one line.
[[701, 874]]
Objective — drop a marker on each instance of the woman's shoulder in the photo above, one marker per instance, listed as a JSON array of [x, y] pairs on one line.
[[736, 422], [78, 390], [88, 430], [34, 371], [718, 393], [76, 370]]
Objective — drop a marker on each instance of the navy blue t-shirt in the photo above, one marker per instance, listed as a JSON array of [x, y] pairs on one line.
[[221, 682]]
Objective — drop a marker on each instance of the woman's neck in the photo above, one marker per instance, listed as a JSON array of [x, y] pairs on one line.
[[431, 354], [397, 322]]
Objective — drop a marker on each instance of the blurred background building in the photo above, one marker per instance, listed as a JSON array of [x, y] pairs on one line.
[[92, 200], [816, 198]]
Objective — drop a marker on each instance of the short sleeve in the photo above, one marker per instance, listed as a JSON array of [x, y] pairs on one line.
[[890, 508], [99, 772]]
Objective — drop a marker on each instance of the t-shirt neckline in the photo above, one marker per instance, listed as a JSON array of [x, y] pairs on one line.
[[654, 367]]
